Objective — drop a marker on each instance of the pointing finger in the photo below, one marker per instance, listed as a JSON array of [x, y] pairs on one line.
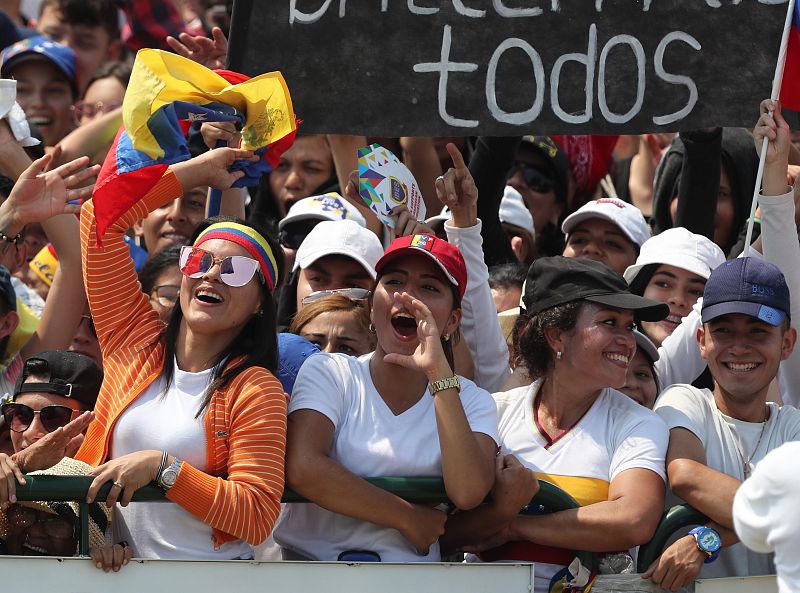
[[455, 154]]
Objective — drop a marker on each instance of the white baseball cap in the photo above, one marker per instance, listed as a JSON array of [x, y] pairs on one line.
[[626, 216], [680, 248], [514, 211], [439, 219], [330, 206], [340, 237]]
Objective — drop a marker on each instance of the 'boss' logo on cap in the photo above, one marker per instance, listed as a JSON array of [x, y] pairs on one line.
[[763, 290]]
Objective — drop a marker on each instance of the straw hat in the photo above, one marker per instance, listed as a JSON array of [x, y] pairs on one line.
[[99, 513]]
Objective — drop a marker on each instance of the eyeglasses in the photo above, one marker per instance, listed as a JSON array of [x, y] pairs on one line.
[[90, 110], [234, 270], [20, 517], [166, 295], [19, 417], [535, 178], [354, 294], [292, 238]]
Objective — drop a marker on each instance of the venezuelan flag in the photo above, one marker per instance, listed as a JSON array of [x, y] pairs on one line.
[[166, 94], [790, 85]]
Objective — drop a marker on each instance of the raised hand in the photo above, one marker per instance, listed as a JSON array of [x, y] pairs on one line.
[[428, 356], [772, 126], [40, 194], [211, 53], [211, 168], [456, 189], [406, 224], [220, 131], [64, 441]]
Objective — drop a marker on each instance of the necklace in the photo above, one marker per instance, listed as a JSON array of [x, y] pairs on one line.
[[746, 463]]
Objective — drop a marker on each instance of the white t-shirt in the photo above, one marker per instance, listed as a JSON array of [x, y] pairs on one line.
[[765, 513], [370, 441], [167, 423], [728, 443], [615, 434]]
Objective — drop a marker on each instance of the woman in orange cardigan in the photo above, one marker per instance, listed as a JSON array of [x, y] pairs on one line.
[[193, 405]]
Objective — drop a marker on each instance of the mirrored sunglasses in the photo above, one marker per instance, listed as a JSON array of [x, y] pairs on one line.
[[234, 270], [19, 417], [354, 294], [534, 178]]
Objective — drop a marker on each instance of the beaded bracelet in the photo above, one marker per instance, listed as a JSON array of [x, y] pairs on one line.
[[15, 239]]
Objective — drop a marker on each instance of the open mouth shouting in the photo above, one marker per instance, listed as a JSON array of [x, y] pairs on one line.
[[405, 326]]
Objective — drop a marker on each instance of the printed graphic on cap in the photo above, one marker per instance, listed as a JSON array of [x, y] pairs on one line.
[[423, 242], [329, 203]]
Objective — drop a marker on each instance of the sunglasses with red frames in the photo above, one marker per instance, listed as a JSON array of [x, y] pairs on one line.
[[234, 270], [19, 417]]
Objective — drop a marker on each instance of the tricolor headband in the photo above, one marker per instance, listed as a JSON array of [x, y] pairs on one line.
[[248, 238]]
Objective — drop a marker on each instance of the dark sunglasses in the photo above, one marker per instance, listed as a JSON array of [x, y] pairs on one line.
[[292, 238], [535, 178], [19, 417], [234, 270]]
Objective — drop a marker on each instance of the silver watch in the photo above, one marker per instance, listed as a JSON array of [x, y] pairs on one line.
[[166, 479]]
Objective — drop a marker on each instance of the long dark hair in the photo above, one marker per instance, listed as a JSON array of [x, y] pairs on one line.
[[257, 342]]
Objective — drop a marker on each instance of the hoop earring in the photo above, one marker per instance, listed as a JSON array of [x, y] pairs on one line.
[[371, 328], [558, 355]]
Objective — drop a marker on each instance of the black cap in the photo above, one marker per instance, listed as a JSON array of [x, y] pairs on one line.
[[7, 292], [557, 280], [555, 159], [70, 374]]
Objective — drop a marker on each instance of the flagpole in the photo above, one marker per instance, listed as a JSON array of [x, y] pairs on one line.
[[776, 90]]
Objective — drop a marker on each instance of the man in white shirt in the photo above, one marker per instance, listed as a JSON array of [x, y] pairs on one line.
[[717, 438]]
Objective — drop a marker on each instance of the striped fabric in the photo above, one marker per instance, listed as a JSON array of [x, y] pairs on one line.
[[245, 425]]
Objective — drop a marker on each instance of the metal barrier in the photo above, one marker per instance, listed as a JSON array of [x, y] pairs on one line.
[[416, 490]]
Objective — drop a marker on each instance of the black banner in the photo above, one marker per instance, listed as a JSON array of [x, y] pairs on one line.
[[507, 67]]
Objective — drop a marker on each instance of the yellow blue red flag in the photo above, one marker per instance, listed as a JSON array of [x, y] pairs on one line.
[[166, 94]]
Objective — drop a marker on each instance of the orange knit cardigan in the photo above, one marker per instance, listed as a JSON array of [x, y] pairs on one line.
[[245, 425]]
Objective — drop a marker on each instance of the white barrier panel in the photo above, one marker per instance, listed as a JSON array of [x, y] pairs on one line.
[[766, 584], [78, 575]]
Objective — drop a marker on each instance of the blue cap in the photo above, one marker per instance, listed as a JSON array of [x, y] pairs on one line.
[[293, 350], [750, 286], [60, 55]]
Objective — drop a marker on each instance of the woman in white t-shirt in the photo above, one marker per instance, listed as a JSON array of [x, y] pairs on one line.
[[572, 428], [399, 411]]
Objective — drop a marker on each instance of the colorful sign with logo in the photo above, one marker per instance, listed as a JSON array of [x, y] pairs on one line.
[[384, 183]]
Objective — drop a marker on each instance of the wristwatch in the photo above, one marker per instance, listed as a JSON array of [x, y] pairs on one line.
[[442, 384], [708, 541], [166, 478]]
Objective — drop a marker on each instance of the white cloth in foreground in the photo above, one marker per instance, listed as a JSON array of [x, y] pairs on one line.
[[765, 513]]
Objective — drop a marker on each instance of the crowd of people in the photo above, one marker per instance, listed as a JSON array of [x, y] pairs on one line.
[[604, 327]]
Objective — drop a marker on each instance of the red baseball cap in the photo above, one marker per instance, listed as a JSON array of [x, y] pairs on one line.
[[444, 254]]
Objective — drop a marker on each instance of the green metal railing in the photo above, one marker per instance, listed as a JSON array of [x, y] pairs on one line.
[[674, 519], [416, 490]]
